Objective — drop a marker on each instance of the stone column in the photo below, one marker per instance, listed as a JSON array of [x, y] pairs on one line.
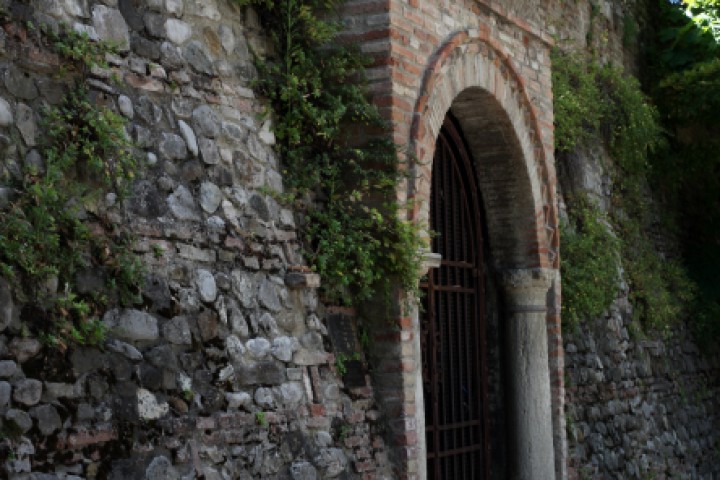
[[530, 416]]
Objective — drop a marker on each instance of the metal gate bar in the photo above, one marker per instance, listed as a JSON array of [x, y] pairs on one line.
[[453, 327]]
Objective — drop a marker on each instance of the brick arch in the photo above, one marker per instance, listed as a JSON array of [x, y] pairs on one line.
[[473, 77]]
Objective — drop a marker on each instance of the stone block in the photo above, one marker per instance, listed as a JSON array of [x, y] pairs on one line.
[[261, 373], [110, 26], [131, 325], [28, 391]]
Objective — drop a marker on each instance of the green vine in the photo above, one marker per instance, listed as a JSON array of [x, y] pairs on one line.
[[340, 166], [44, 243], [590, 263], [600, 104]]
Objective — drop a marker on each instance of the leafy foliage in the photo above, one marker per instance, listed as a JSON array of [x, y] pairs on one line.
[[706, 15], [340, 166], [44, 244], [621, 117], [594, 103], [590, 264], [683, 77], [78, 47]]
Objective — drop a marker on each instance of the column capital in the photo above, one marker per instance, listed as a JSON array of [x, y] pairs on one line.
[[526, 289]]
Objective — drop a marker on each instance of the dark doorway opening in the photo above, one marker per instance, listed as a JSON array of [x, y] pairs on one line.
[[453, 321]]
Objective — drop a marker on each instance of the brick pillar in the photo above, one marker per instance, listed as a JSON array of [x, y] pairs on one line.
[[531, 455]]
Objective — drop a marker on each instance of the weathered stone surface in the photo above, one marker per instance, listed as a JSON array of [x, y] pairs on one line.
[[126, 107], [206, 122], [20, 84], [309, 357], [7, 368], [5, 393], [173, 147], [177, 331], [25, 122], [227, 38], [209, 151], [206, 286], [258, 347], [28, 391], [238, 324], [210, 197], [244, 287], [197, 254], [182, 204], [131, 325], [147, 200], [198, 58], [161, 469], [205, 9], [8, 312], [55, 390], [124, 349], [20, 418], [177, 31], [297, 280], [234, 347], [266, 134], [290, 395], [149, 408], [283, 348], [265, 398], [145, 48], [238, 399], [259, 205], [163, 357], [189, 136], [24, 349], [110, 26], [332, 460], [191, 171], [48, 419], [6, 116], [302, 470], [148, 111], [175, 7], [157, 290], [261, 373], [268, 296], [85, 360]]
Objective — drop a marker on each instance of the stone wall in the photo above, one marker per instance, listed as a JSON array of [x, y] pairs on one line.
[[637, 405], [639, 408], [224, 370]]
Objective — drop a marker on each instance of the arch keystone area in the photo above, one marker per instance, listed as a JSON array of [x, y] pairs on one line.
[[472, 71]]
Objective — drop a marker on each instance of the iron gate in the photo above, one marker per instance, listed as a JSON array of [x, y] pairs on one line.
[[453, 324]]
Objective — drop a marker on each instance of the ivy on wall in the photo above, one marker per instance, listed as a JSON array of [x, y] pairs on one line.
[[340, 167], [44, 243], [590, 263], [600, 104]]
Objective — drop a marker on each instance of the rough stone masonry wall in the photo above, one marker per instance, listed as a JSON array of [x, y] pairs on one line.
[[224, 371], [636, 407]]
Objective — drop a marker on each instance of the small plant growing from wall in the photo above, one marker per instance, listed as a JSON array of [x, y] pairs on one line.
[[261, 419], [44, 243], [340, 167]]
